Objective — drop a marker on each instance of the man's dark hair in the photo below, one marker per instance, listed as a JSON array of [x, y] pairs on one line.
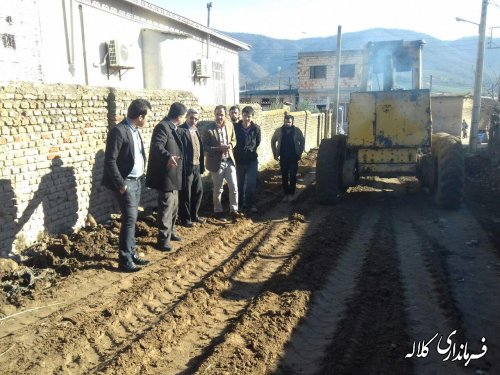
[[234, 107], [221, 106], [287, 117], [138, 107], [176, 109], [248, 110]]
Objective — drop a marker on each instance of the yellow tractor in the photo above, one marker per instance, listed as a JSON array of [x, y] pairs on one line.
[[389, 131]]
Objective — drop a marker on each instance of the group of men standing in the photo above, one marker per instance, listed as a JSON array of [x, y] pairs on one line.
[[177, 159]]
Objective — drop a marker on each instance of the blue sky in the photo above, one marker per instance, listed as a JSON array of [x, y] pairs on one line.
[[286, 19]]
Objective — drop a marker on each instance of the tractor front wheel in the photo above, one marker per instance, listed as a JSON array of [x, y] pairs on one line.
[[329, 166]]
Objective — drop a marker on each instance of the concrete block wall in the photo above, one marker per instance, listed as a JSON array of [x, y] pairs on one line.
[[52, 140]]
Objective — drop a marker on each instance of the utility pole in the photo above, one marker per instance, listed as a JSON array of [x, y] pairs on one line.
[[478, 82], [209, 6], [336, 97], [279, 85]]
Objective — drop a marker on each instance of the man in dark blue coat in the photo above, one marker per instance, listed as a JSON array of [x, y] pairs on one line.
[[165, 173], [124, 161], [194, 165]]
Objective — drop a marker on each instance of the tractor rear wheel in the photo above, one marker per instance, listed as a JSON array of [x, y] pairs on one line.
[[448, 184], [426, 171], [329, 166]]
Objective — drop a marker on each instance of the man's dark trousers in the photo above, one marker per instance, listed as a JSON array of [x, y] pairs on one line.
[[190, 196], [129, 204], [289, 167]]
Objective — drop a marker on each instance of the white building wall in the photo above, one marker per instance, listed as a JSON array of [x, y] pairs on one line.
[[65, 42], [168, 60], [64, 59]]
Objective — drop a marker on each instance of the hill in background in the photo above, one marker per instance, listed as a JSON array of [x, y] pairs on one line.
[[450, 63]]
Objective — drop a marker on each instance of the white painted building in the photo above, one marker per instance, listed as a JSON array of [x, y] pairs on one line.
[[120, 43]]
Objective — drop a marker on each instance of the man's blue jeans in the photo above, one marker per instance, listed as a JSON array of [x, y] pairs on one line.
[[129, 203], [247, 182]]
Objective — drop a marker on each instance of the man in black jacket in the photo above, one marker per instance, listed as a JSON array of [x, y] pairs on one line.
[[165, 173], [194, 165], [124, 162], [247, 141], [287, 144]]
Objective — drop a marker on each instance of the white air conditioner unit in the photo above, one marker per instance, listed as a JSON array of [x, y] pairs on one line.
[[203, 68], [120, 55]]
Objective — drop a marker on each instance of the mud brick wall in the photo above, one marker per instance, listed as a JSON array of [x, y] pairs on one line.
[[52, 140]]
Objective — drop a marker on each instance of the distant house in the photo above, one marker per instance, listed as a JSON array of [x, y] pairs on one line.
[[268, 98], [448, 112], [316, 77], [316, 82], [121, 43]]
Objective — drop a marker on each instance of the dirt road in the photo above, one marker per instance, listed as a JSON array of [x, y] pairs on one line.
[[381, 283]]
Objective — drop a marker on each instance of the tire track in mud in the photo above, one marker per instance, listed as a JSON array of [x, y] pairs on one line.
[[256, 344], [435, 257], [88, 332], [68, 292], [102, 324], [462, 273], [371, 335], [190, 341], [430, 306], [314, 334]]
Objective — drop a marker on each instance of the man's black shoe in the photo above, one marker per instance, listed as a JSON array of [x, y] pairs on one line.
[[166, 249], [235, 216], [187, 223], [220, 217], [200, 220], [140, 261], [129, 267], [175, 237]]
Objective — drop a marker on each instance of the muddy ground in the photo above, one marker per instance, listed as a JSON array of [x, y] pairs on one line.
[[381, 283]]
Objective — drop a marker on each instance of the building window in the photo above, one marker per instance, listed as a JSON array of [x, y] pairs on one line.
[[317, 72], [9, 41], [218, 71], [347, 70]]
